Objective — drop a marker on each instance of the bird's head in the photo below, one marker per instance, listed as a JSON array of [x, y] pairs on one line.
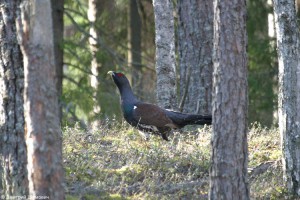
[[119, 79]]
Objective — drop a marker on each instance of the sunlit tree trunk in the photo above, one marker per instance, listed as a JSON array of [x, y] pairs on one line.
[[98, 11], [42, 126], [12, 141], [93, 14], [134, 46], [165, 53], [195, 32], [228, 172], [288, 43]]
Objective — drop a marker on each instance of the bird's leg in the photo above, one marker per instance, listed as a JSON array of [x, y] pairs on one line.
[[164, 132], [164, 136], [145, 135]]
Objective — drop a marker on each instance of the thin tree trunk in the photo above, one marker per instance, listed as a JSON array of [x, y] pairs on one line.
[[100, 63], [165, 54], [134, 46], [195, 44], [58, 27], [42, 129], [12, 140], [94, 47], [288, 42], [228, 173]]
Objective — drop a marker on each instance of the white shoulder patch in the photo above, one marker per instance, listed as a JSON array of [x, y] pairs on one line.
[[134, 107]]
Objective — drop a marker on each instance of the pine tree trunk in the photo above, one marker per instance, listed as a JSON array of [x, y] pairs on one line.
[[134, 46], [228, 173], [12, 141], [195, 44], [165, 54], [288, 42], [42, 129]]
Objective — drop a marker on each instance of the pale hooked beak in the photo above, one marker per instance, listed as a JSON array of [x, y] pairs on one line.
[[110, 73]]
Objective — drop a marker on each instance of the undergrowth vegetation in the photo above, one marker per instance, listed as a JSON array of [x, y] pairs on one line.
[[115, 162]]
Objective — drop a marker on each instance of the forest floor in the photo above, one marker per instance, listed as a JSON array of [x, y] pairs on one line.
[[115, 162]]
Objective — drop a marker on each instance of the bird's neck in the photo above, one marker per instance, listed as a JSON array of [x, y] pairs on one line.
[[127, 96], [128, 100]]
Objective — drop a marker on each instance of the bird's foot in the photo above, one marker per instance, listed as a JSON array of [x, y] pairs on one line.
[[145, 135]]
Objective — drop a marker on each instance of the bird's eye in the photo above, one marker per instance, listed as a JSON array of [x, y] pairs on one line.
[[120, 74]]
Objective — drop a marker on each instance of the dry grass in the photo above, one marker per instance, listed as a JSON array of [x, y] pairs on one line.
[[115, 162]]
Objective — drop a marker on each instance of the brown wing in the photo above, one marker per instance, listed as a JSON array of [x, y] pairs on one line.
[[151, 114]]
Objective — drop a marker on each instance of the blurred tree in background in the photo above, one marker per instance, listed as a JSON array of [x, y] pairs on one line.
[[134, 45], [263, 70], [110, 26], [116, 48], [111, 54]]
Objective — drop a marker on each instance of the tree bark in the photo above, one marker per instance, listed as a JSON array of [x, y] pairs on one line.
[[195, 44], [12, 142], [134, 46], [42, 129], [165, 54], [288, 42], [228, 172]]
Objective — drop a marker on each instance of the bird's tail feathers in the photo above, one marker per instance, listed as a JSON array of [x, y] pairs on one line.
[[182, 119]]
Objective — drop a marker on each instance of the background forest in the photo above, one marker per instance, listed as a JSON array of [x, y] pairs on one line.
[[113, 52]]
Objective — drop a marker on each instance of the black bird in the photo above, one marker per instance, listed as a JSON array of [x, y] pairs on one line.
[[148, 117]]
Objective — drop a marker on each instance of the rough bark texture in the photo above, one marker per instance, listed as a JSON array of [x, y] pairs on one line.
[[42, 127], [12, 141], [228, 173], [134, 46], [195, 44], [58, 30], [288, 42], [165, 54]]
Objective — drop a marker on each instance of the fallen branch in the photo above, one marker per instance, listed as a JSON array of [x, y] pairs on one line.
[[260, 169]]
